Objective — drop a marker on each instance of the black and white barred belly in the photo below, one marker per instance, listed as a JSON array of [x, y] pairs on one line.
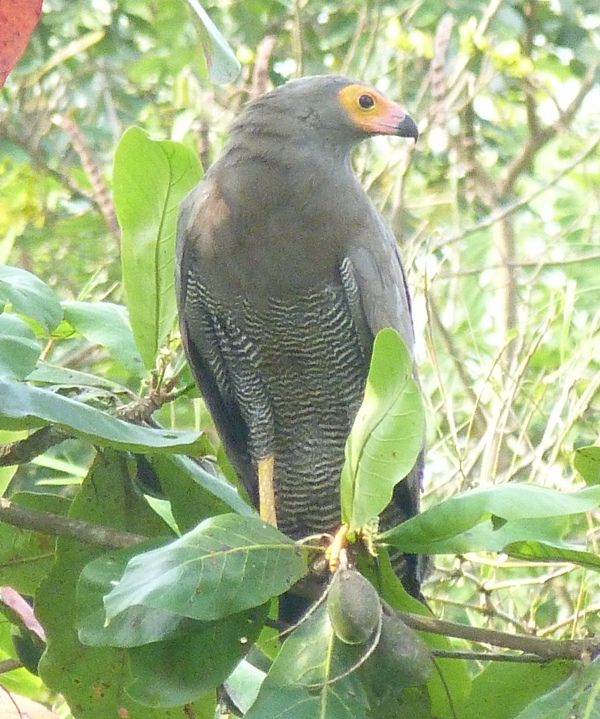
[[297, 370]]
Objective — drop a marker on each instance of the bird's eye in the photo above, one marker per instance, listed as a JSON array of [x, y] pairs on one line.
[[366, 101]]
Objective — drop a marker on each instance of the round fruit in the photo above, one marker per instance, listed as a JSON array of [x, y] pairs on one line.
[[353, 606]]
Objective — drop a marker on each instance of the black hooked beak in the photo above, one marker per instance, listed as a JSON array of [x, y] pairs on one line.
[[407, 127]]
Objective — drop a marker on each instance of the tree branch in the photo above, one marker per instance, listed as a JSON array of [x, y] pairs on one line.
[[544, 648], [59, 526]]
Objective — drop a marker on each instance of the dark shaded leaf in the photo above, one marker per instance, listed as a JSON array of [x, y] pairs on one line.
[[169, 673], [92, 679]]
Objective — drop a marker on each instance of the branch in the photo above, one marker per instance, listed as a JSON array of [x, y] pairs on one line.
[[538, 137], [59, 526], [575, 649]]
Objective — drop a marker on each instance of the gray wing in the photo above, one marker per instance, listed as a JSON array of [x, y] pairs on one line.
[[201, 337]]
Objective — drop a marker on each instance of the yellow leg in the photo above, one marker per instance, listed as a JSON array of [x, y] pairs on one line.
[[332, 554], [266, 490]]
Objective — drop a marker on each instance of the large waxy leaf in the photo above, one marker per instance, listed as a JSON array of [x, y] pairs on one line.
[[26, 407], [223, 65], [137, 625], [387, 434], [181, 670], [229, 563], [25, 556], [93, 679], [106, 324], [435, 529], [151, 178], [29, 296], [19, 349], [576, 698], [303, 682]]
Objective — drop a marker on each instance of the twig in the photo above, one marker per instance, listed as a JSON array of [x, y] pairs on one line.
[[544, 648], [488, 656], [260, 74], [9, 665], [59, 526], [24, 450]]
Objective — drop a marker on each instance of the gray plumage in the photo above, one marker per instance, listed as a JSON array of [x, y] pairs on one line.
[[286, 271]]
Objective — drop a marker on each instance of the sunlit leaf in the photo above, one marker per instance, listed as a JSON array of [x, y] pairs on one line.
[[433, 529], [151, 177], [387, 434], [578, 696], [29, 296], [223, 65], [26, 407], [586, 461], [106, 324]]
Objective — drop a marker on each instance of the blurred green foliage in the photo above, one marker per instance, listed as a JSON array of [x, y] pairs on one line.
[[496, 211]]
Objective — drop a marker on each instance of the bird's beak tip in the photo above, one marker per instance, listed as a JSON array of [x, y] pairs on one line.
[[407, 127]]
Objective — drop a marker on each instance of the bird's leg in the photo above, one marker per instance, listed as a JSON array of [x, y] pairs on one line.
[[266, 490], [337, 546]]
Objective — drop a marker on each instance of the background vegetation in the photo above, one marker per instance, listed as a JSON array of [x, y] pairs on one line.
[[495, 209]]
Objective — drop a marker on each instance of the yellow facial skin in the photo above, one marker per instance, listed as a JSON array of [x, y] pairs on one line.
[[371, 111]]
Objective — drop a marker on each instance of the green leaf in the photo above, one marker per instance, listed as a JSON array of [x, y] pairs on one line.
[[92, 679], [432, 530], [243, 685], [223, 65], [59, 377], [387, 434], [586, 461], [304, 681], [106, 324], [26, 407], [25, 556], [543, 552], [501, 690], [577, 697], [19, 349], [227, 564], [150, 179], [135, 626], [181, 670], [29, 296]]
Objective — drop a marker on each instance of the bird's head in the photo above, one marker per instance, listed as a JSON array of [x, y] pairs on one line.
[[332, 109]]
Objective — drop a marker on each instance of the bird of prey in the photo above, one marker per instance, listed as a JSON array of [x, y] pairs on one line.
[[285, 273]]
